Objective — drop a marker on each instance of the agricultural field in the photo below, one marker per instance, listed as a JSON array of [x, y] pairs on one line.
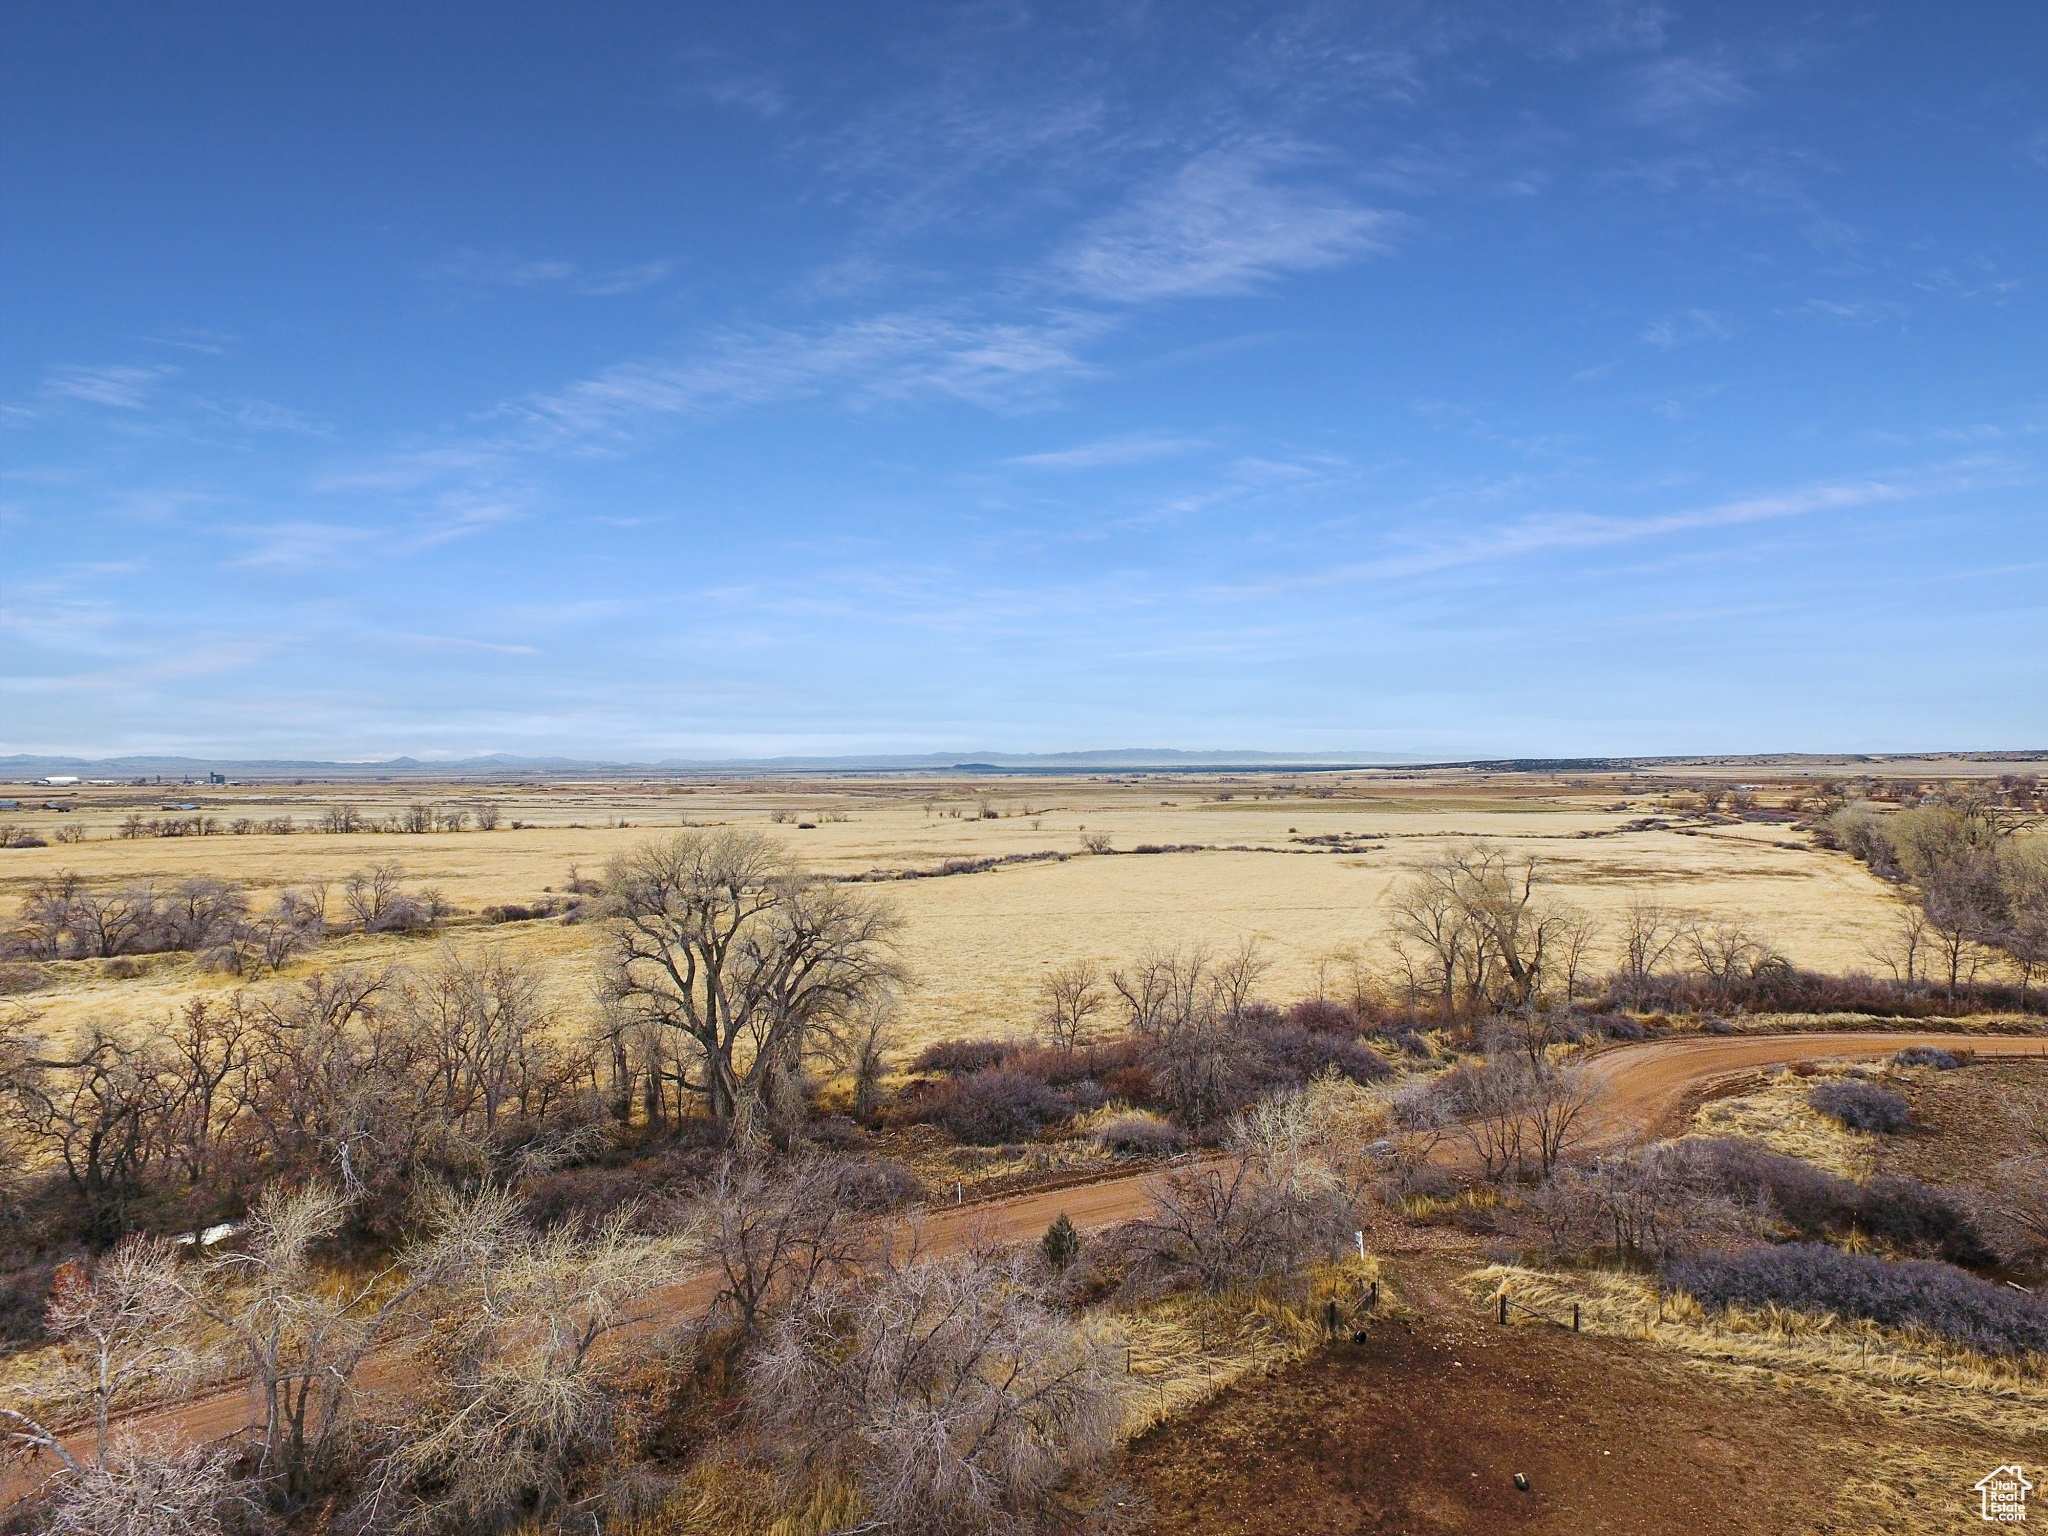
[[1301, 863]]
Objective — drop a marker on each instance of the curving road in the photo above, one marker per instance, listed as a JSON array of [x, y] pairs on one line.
[[1642, 1089]]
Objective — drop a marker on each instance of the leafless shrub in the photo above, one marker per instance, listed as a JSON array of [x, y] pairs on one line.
[[146, 1490], [378, 902], [487, 816], [1862, 1106], [997, 1105], [1510, 1112], [1646, 1204], [1909, 1293], [520, 1397], [2016, 1200], [959, 1056], [1259, 1212], [341, 819], [301, 1336], [778, 1234], [118, 1323], [956, 1400], [1140, 1136]]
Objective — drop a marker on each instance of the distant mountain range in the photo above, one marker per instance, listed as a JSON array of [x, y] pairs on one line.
[[23, 767], [26, 766]]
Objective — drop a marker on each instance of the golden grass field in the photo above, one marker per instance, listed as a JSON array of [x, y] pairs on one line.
[[977, 944]]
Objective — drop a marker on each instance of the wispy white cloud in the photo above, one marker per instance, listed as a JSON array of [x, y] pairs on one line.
[[300, 545], [412, 469], [208, 343], [456, 643], [125, 386], [1683, 329], [1682, 94], [1140, 449], [1579, 530], [503, 269], [1854, 312], [616, 280], [1223, 224], [891, 356], [714, 79]]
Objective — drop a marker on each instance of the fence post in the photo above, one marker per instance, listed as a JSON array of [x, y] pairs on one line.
[[1575, 1317], [1503, 1309]]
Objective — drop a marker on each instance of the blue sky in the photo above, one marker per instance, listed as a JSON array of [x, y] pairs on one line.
[[680, 381]]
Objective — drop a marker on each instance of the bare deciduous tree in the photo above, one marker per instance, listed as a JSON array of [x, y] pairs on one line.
[[1728, 954], [1649, 933], [956, 1400], [778, 1234], [1901, 950], [742, 958], [1073, 995], [118, 1323], [521, 1393], [303, 1334], [341, 818], [145, 1490], [1559, 1099], [97, 1111]]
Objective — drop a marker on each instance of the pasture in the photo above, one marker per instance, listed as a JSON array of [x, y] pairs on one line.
[[1301, 862]]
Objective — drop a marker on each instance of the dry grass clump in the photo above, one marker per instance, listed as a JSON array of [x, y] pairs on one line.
[[1780, 1117], [1186, 1348], [1888, 1369], [735, 1495]]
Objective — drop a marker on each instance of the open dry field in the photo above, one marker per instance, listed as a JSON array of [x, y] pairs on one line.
[[1250, 865]]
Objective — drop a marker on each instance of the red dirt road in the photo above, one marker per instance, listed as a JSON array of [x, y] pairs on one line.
[[1643, 1088]]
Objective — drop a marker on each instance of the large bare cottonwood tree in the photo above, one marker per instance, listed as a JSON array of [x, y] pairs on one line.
[[745, 962]]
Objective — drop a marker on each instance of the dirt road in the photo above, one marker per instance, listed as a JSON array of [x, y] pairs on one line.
[[1643, 1086]]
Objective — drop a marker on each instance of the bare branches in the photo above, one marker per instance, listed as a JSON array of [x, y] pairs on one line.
[[721, 943], [302, 1335], [955, 1399], [1649, 932], [776, 1235], [143, 1490], [1072, 996], [1471, 930], [1511, 1110], [523, 1393], [119, 1321]]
